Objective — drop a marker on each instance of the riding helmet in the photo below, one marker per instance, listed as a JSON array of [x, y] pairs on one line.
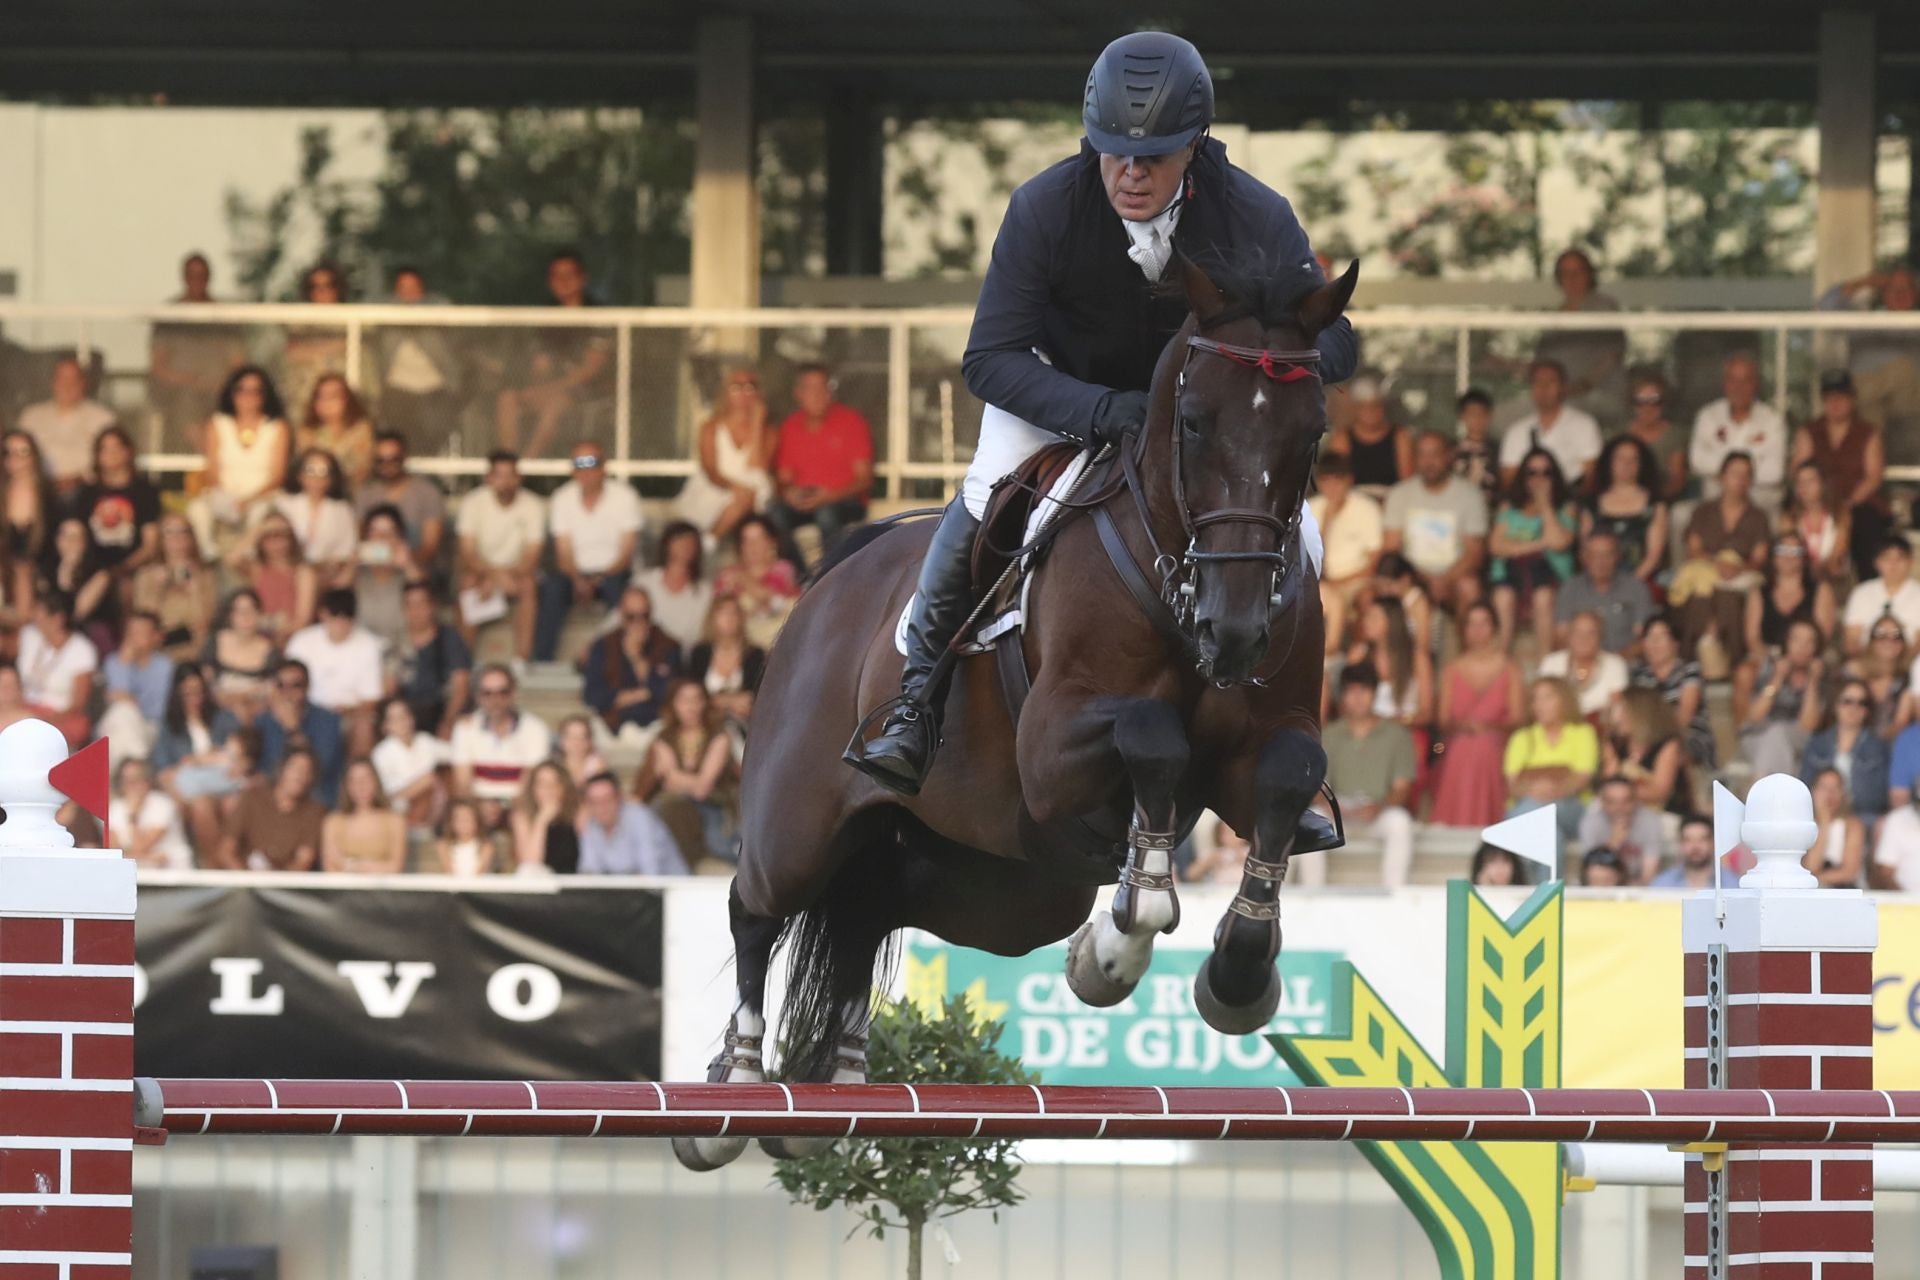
[[1148, 94]]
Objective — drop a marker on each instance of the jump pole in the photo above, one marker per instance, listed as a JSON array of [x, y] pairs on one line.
[[1779, 1111]]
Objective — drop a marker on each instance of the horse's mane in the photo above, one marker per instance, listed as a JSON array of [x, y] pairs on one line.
[[1255, 283]]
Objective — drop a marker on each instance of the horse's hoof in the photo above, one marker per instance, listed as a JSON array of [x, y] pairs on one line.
[[704, 1155], [796, 1148], [1084, 973], [1235, 1019]]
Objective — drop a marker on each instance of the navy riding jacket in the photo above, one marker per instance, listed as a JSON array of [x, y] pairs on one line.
[[1061, 282]]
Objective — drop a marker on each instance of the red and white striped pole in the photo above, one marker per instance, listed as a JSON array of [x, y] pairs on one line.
[[1779, 995], [66, 1032]]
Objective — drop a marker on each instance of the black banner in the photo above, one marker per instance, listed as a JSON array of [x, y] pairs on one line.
[[399, 983]]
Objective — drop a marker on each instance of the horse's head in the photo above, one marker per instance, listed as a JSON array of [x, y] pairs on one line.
[[1249, 412]]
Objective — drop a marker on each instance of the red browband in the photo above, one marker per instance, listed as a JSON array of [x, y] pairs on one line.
[[1281, 366]]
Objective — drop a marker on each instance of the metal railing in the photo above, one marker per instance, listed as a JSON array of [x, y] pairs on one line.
[[901, 367]]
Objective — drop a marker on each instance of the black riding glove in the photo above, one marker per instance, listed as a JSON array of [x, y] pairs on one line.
[[1119, 415]]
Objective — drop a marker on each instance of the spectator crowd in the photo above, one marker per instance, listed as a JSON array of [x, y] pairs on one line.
[[289, 657], [315, 656]]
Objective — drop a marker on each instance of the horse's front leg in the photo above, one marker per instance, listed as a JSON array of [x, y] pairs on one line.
[[1110, 953], [1238, 987]]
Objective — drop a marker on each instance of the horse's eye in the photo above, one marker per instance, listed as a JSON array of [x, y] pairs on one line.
[[1190, 429]]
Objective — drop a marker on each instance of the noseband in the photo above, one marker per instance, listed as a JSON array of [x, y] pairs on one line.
[[1179, 577]]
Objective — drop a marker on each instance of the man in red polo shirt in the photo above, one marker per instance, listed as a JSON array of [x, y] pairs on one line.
[[823, 463]]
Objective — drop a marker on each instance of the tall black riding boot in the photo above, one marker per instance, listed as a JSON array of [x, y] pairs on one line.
[[900, 755]]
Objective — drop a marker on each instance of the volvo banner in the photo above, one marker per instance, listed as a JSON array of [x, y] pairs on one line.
[[379, 982]]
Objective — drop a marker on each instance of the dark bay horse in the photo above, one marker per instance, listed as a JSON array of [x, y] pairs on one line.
[[1174, 641]]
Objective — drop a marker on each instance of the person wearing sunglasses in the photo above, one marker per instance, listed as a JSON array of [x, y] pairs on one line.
[[1532, 542], [1846, 742], [1884, 667], [495, 748], [595, 527], [734, 452], [1649, 425], [422, 503], [315, 504], [291, 720]]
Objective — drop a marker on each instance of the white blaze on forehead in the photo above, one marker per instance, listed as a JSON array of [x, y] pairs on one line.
[[1259, 399], [1266, 481]]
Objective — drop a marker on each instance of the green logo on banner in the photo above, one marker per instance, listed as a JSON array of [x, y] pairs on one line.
[[1152, 1037]]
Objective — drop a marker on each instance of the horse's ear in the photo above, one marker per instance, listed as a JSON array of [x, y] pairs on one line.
[[1324, 305], [1203, 296]]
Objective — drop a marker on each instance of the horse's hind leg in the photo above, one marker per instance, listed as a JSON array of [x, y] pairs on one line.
[[740, 1059], [1238, 988], [1110, 953]]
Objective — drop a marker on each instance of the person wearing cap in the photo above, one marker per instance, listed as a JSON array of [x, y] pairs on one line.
[[1740, 422], [1852, 455], [1070, 322], [596, 528]]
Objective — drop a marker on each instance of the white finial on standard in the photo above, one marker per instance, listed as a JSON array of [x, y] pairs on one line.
[[28, 750], [1779, 828]]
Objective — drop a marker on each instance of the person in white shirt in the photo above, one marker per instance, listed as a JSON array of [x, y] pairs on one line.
[[1597, 676], [145, 821], [1740, 422], [496, 747], [65, 426], [1439, 523], [1351, 529], [1893, 592], [57, 666], [409, 760], [1896, 855], [344, 667], [1571, 435], [595, 527], [502, 529], [315, 504]]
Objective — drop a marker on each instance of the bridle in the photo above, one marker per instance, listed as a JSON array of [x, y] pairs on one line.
[[1179, 576]]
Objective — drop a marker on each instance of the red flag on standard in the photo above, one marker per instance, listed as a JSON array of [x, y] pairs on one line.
[[82, 778]]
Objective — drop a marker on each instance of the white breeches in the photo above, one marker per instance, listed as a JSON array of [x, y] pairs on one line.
[[1007, 441]]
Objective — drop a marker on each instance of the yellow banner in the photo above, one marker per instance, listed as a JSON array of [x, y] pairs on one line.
[[1623, 990]]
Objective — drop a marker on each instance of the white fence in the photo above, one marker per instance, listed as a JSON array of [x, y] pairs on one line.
[[901, 367]]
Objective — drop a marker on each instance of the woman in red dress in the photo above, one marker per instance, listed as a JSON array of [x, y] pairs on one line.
[[1482, 697]]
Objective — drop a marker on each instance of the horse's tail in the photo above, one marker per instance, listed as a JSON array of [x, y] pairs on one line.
[[832, 947]]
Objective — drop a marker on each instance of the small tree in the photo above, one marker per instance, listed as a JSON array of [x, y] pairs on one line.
[[905, 1183]]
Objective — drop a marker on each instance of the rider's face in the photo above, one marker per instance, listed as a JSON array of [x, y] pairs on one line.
[[1141, 187]]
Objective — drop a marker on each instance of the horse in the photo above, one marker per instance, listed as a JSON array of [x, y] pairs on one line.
[[1174, 644]]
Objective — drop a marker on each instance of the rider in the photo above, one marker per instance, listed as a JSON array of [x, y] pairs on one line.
[[1069, 325]]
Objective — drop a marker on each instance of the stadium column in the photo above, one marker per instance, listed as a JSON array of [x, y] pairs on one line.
[[726, 209], [66, 1049], [1779, 995], [1844, 229]]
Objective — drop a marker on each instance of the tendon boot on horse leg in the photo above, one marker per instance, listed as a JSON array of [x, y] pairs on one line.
[[849, 1067], [899, 757], [1109, 954], [1238, 988], [739, 1060]]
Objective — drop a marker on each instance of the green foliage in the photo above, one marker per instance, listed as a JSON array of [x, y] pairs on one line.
[[909, 1182], [1706, 189], [478, 199]]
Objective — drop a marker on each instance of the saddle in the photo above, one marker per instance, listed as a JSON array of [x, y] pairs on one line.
[[1004, 528]]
